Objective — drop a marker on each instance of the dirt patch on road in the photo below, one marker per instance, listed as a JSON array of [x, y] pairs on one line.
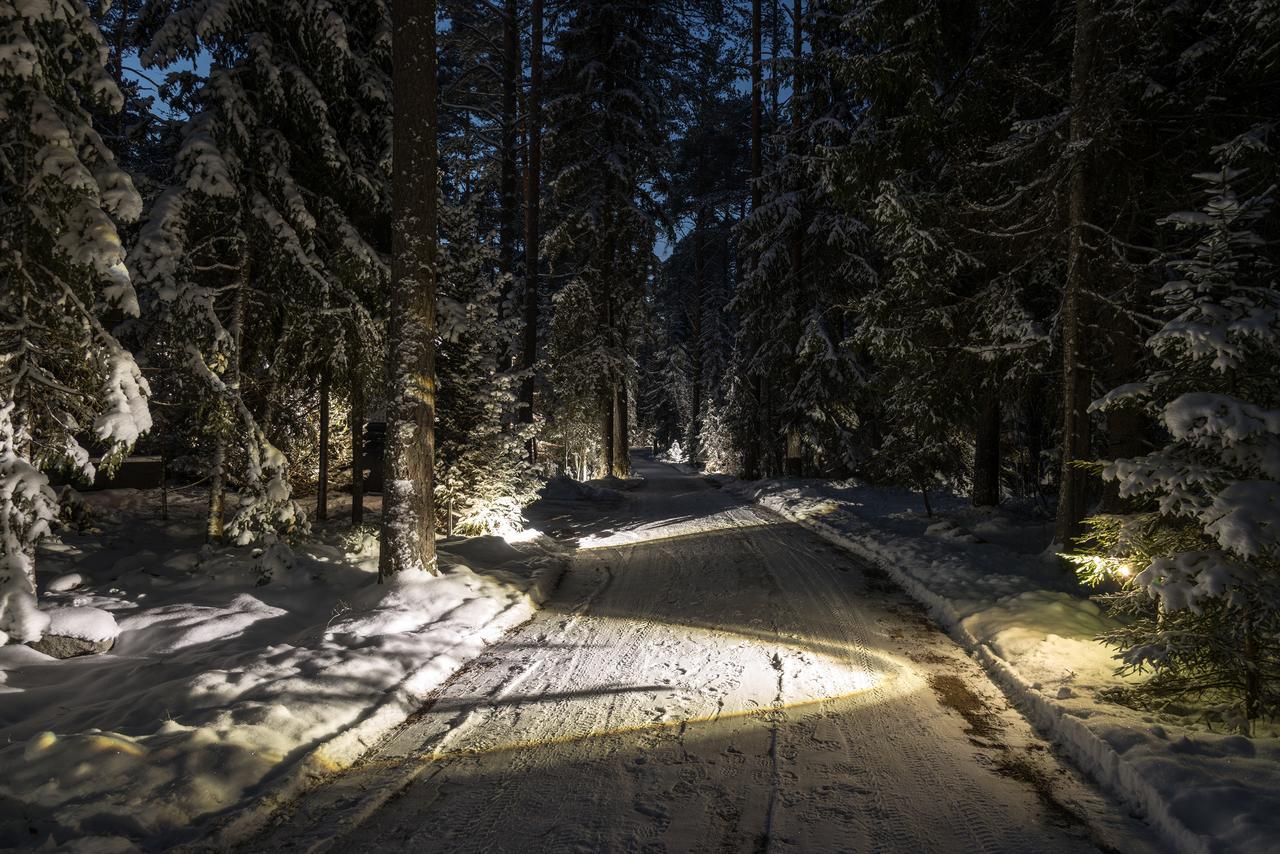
[[956, 695]]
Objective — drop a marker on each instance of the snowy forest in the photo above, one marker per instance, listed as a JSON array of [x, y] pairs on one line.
[[323, 278]]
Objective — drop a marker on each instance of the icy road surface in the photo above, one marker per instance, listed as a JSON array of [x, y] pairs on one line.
[[711, 678]]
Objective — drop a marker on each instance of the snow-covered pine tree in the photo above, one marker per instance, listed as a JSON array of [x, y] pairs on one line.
[[794, 376], [267, 252], [64, 378], [1199, 558], [484, 480], [608, 122]]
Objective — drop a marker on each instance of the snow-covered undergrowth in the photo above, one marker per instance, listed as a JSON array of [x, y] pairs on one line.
[[986, 578], [221, 697]]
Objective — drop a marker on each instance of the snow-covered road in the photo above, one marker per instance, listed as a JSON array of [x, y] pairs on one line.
[[709, 677]]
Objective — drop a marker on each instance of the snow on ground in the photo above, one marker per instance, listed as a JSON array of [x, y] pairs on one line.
[[708, 677], [221, 693], [985, 576]]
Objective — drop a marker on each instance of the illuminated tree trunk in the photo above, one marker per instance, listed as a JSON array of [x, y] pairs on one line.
[[357, 450], [215, 528], [1073, 490], [532, 236], [408, 518]]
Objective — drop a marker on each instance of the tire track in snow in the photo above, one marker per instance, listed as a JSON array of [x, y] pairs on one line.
[[728, 683]]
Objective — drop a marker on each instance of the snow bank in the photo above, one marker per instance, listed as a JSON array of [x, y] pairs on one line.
[[223, 698], [983, 577]]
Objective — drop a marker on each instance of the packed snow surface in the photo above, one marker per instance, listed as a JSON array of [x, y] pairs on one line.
[[711, 677], [987, 577]]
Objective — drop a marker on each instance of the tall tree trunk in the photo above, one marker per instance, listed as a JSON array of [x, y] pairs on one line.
[[752, 453], [986, 451], [694, 436], [793, 463], [322, 482], [775, 50], [621, 428], [357, 448], [1074, 487], [532, 206], [215, 527], [606, 428], [408, 517], [507, 213], [797, 234]]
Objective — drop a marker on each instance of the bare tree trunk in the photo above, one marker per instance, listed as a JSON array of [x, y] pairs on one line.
[[606, 428], [797, 48], [752, 452], [621, 428], [215, 528], [986, 451], [694, 436], [507, 213], [775, 50], [357, 450], [533, 200], [322, 482], [408, 517], [1073, 491]]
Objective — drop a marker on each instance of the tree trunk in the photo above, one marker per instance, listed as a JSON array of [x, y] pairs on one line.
[[797, 234], [164, 482], [752, 453], [532, 206], [357, 450], [408, 518], [215, 526], [986, 451], [775, 50], [606, 428], [322, 482], [1073, 489], [693, 437], [509, 202], [621, 428]]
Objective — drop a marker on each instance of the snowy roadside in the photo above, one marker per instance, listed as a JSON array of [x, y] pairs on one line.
[[982, 576], [223, 698]]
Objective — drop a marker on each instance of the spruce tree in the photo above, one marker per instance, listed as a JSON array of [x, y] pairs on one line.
[[1199, 558], [65, 380]]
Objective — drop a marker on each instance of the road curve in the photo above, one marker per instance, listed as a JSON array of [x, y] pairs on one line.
[[709, 677]]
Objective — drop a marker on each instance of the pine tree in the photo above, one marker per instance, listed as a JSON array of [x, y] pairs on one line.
[[607, 132], [267, 251], [64, 378], [1200, 557], [483, 479]]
